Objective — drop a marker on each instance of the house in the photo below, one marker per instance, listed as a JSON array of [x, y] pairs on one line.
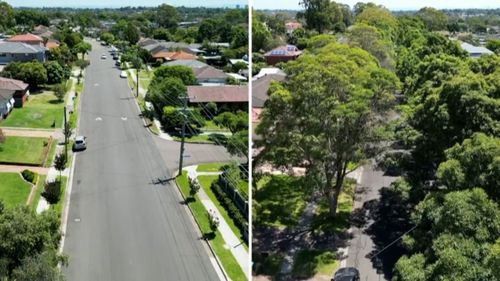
[[291, 26], [209, 75], [42, 31], [205, 74], [269, 71], [260, 89], [282, 54], [52, 43], [159, 46], [30, 39], [19, 88], [17, 51], [232, 96], [6, 102], [177, 55], [475, 52]]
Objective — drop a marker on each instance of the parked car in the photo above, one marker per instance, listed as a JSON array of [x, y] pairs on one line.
[[104, 57], [118, 63], [346, 274], [123, 74], [80, 143]]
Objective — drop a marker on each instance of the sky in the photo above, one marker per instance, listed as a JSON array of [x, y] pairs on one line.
[[391, 4], [123, 3]]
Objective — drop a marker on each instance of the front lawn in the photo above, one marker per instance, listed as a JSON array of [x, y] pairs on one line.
[[281, 199], [227, 259], [309, 263], [39, 111], [210, 167], [23, 150], [13, 189]]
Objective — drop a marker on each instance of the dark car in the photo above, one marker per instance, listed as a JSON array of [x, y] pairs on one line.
[[346, 274]]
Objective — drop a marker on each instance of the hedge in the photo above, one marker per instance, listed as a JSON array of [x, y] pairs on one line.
[[233, 211]]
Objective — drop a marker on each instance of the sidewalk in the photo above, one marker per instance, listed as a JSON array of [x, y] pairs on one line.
[[18, 169], [235, 245], [27, 132]]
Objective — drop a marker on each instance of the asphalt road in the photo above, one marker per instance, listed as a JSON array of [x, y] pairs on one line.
[[361, 244], [121, 226]]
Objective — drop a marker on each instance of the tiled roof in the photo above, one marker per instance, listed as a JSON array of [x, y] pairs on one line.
[[174, 55], [260, 88], [52, 44], [25, 38], [20, 48], [12, 84], [188, 63], [208, 71], [284, 51], [227, 94]]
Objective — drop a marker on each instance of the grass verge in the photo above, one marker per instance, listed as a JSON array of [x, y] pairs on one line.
[[309, 263], [225, 256], [210, 167], [40, 185], [206, 182]]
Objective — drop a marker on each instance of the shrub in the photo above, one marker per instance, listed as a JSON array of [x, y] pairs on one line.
[[228, 204], [52, 192], [29, 176], [194, 187]]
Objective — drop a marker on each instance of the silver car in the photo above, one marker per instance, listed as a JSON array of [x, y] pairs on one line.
[[80, 143]]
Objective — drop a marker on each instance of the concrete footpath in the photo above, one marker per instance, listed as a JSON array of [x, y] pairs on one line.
[[232, 242]]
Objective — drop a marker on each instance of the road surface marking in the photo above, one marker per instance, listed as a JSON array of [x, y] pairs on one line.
[[124, 118], [96, 85], [98, 119]]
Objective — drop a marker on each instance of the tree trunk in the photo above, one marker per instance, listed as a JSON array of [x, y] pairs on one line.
[[333, 202]]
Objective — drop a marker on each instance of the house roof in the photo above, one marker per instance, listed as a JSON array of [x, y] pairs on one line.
[[284, 51], [20, 48], [471, 49], [180, 55], [208, 71], [292, 25], [225, 94], [169, 46], [25, 38], [6, 94], [268, 71], [52, 43], [260, 89], [12, 84], [188, 63]]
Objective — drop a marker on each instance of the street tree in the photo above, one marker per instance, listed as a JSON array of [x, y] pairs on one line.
[[39, 267], [131, 33], [26, 234], [60, 163], [324, 117], [475, 162], [166, 93], [107, 37], [82, 48], [194, 187]]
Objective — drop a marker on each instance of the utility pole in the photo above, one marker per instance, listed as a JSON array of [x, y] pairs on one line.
[[183, 133], [65, 133]]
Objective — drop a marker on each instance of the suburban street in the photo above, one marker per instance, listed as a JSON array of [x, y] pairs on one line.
[[361, 244], [121, 225]]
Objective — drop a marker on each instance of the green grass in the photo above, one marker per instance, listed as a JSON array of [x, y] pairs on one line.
[[73, 117], [227, 259], [282, 200], [23, 150], [197, 138], [322, 223], [206, 182], [39, 189], [58, 207], [39, 111], [243, 188], [210, 167], [52, 153], [308, 263], [13, 189]]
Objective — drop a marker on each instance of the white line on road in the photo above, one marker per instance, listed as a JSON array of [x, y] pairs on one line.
[[98, 119]]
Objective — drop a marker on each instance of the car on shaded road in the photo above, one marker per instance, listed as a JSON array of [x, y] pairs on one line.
[[346, 274]]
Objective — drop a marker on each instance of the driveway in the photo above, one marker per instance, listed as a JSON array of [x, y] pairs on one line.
[[120, 225]]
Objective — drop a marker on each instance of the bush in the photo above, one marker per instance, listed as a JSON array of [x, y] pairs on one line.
[[52, 192], [228, 204], [29, 176]]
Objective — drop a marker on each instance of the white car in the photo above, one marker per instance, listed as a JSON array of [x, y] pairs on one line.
[[80, 143], [104, 57], [123, 74]]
